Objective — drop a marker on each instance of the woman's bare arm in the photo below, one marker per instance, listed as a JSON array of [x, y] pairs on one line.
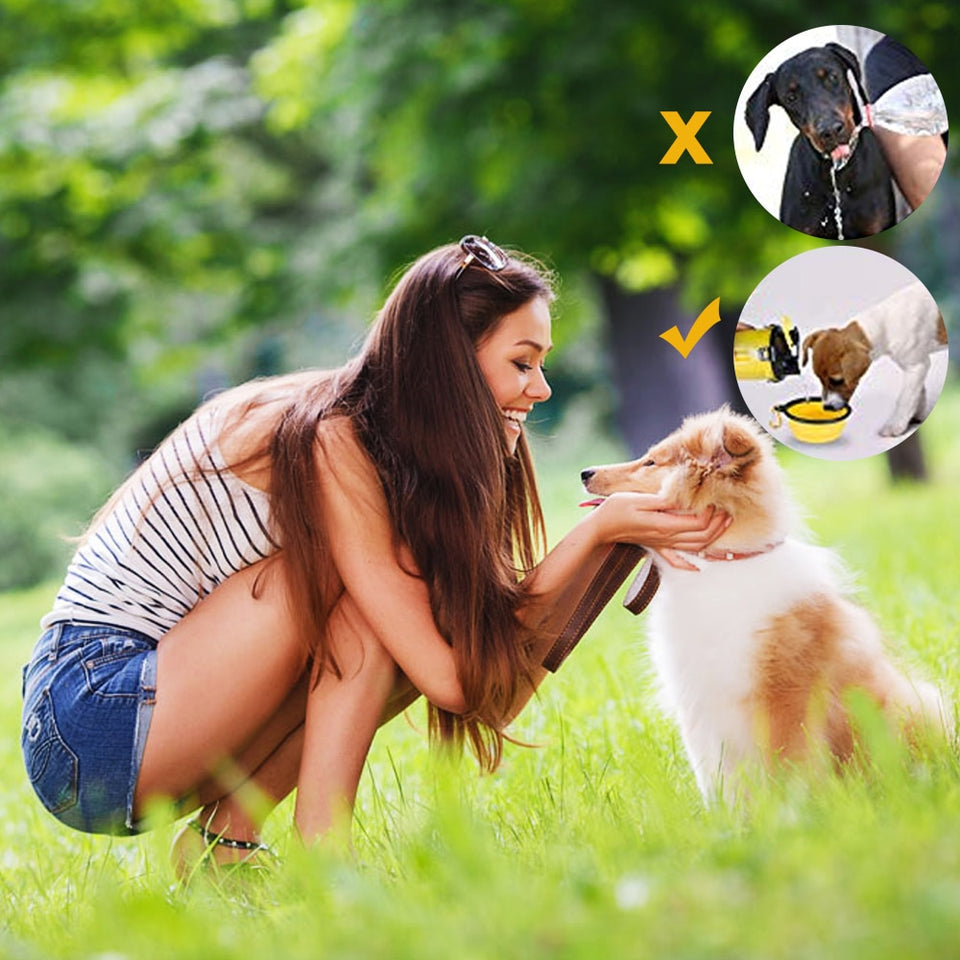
[[559, 581], [394, 602], [343, 714]]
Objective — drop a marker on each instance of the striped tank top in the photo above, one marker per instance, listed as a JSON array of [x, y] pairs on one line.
[[184, 524]]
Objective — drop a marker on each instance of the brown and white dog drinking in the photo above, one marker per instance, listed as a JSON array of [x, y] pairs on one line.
[[907, 327]]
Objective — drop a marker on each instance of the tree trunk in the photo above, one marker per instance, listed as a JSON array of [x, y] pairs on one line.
[[906, 461], [656, 387]]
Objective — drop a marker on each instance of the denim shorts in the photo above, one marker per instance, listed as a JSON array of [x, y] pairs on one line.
[[88, 696]]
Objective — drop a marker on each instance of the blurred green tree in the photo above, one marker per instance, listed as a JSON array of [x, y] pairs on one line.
[[171, 173], [146, 211], [539, 122]]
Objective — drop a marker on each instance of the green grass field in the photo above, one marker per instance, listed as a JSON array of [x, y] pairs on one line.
[[595, 842]]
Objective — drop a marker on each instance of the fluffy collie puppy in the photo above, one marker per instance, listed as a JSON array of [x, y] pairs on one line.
[[758, 650]]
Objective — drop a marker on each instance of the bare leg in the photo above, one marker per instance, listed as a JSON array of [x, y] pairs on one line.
[[223, 673], [237, 799], [324, 756], [232, 698], [239, 796], [240, 812], [286, 724], [236, 802]]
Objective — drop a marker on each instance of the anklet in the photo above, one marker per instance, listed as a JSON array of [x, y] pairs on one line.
[[211, 838]]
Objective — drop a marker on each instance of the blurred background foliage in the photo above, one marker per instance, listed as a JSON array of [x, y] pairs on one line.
[[194, 192]]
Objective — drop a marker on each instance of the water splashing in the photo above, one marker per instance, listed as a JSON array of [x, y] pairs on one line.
[[837, 214]]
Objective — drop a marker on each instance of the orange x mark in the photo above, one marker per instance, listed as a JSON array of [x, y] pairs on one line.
[[686, 136]]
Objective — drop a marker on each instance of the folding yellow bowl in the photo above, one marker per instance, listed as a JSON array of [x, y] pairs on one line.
[[809, 420]]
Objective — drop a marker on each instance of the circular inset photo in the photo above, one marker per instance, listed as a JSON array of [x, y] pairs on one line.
[[840, 132], [840, 353]]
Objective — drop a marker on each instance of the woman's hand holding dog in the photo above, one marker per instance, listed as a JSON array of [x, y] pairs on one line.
[[649, 520]]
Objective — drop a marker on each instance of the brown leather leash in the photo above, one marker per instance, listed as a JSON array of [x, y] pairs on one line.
[[605, 583]]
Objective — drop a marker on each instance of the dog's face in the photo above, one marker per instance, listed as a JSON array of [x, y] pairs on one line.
[[839, 363], [720, 459], [813, 89]]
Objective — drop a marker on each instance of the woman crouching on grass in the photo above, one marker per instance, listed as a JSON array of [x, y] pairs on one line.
[[305, 556]]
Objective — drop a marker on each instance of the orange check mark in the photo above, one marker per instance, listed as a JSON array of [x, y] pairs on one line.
[[708, 317]]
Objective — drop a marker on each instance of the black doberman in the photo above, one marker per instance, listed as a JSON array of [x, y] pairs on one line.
[[812, 87]]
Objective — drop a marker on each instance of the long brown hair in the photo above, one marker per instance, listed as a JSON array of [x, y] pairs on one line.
[[468, 510]]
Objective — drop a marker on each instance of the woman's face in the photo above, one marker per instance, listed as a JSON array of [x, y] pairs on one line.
[[511, 357]]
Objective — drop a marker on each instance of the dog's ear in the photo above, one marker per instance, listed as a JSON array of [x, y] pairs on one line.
[[738, 441], [847, 56], [808, 344], [757, 112], [854, 364], [851, 62]]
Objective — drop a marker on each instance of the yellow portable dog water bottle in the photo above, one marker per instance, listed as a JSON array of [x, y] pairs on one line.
[[767, 353]]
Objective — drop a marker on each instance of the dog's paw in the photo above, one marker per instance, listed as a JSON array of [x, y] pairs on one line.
[[894, 429]]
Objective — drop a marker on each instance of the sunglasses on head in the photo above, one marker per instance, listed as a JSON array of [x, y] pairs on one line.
[[483, 251]]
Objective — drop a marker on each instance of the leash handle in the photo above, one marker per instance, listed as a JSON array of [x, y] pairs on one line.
[[616, 566], [641, 591]]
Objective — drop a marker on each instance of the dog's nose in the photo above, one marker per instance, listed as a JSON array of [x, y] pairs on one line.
[[585, 475], [830, 132]]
